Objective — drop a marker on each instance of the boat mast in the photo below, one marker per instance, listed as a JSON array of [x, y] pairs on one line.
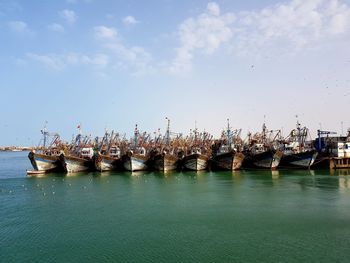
[[45, 134], [167, 135], [136, 133], [228, 133]]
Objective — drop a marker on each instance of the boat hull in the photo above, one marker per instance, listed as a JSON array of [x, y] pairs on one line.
[[228, 161], [43, 162], [299, 160], [165, 162], [135, 162], [264, 160], [106, 163], [195, 162], [72, 164]]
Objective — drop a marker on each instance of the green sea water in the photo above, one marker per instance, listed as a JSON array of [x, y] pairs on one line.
[[245, 216]]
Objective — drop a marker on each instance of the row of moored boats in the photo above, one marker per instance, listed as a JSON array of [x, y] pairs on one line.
[[164, 152]]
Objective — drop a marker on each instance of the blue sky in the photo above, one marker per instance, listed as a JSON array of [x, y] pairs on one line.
[[111, 64]]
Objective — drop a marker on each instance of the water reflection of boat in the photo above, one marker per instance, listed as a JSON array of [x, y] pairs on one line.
[[340, 172], [275, 174]]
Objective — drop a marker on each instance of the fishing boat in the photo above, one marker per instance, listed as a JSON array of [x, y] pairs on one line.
[[108, 155], [195, 160], [260, 153], [136, 158], [46, 158], [164, 156], [79, 156], [198, 152], [108, 162], [226, 155], [297, 152], [166, 161], [78, 163]]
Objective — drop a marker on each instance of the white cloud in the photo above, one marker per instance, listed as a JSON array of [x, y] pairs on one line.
[[284, 28], [61, 61], [103, 32], [51, 61], [19, 27], [213, 8], [56, 28], [134, 58], [205, 33], [130, 20], [291, 26], [69, 16]]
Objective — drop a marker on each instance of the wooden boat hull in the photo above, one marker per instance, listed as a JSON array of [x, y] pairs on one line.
[[43, 162], [72, 164], [165, 162], [135, 162], [264, 160], [228, 161], [106, 163], [195, 162], [299, 160]]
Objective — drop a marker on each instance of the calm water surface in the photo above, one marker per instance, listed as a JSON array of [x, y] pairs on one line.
[[246, 216]]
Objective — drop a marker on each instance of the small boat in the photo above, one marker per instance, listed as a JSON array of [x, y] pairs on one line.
[[35, 172]]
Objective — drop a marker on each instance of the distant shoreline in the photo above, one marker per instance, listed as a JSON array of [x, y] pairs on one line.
[[16, 148]]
